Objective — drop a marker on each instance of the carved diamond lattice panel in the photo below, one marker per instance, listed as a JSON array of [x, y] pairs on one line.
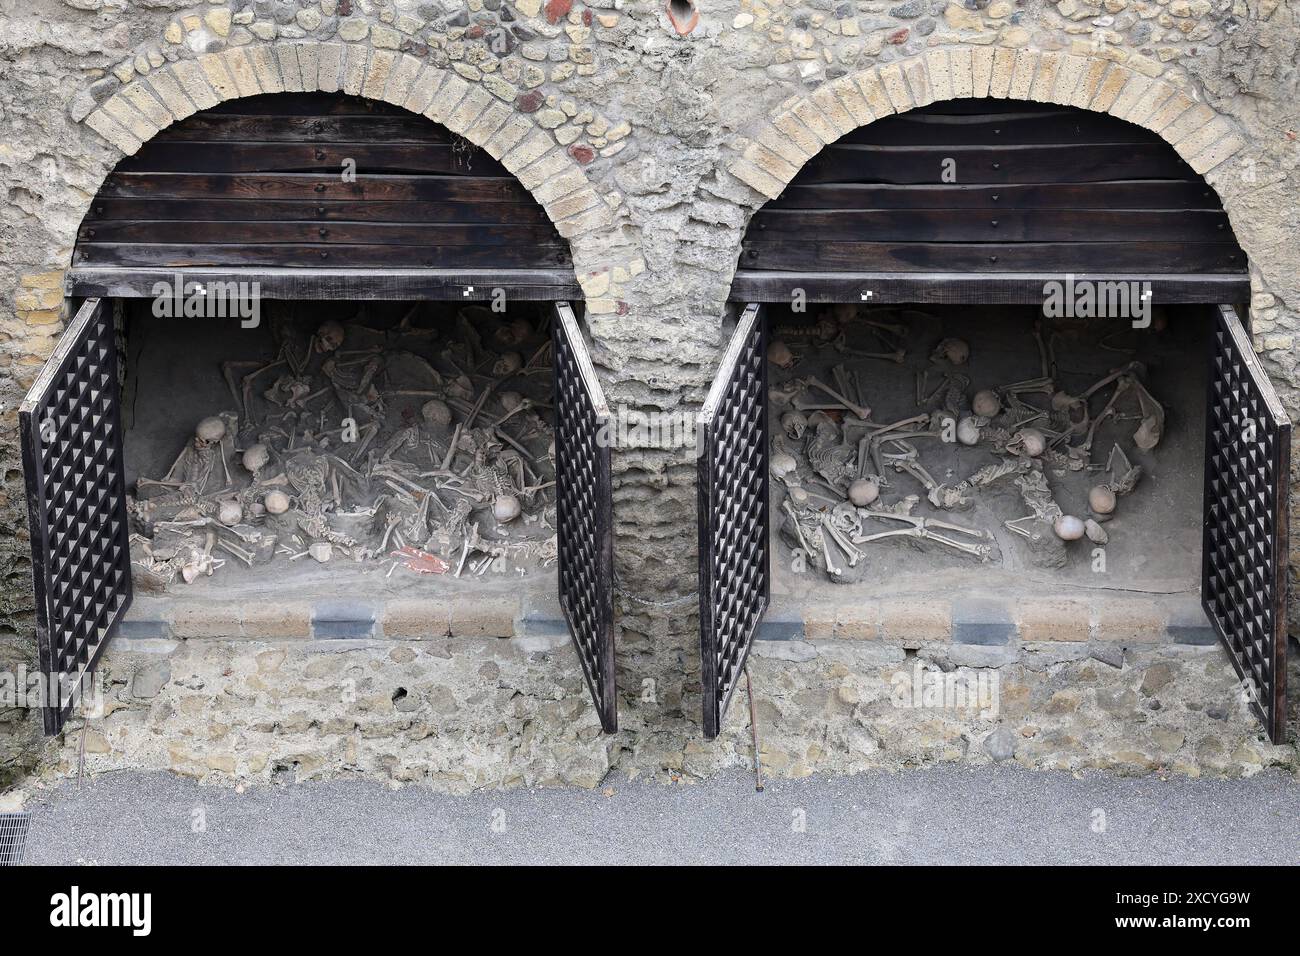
[[1247, 468], [733, 519], [583, 513], [72, 459]]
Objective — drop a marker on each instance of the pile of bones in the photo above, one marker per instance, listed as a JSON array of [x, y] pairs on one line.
[[353, 443], [837, 464]]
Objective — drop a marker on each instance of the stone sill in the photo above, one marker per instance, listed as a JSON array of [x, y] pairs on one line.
[[914, 622], [524, 613]]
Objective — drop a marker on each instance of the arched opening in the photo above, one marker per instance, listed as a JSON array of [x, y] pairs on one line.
[[995, 393], [322, 382]]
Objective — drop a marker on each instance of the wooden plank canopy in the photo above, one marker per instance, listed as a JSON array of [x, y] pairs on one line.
[[993, 198], [266, 184]]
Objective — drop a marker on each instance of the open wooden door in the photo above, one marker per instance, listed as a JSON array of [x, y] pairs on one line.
[[1245, 544], [76, 502], [734, 550], [584, 512]]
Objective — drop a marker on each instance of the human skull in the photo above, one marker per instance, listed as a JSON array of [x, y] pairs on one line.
[[230, 512], [845, 519], [507, 364], [954, 351], [1029, 442], [256, 457], [1068, 527], [795, 424], [844, 312], [329, 336], [863, 491], [1096, 533], [276, 502], [782, 464], [510, 400], [506, 508], [968, 431], [826, 328], [514, 333], [779, 354], [210, 431], [986, 403], [1101, 500], [436, 412], [1063, 401]]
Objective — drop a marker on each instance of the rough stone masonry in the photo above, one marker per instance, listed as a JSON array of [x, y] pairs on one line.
[[650, 148]]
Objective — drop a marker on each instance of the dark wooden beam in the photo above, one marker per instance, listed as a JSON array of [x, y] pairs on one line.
[[538, 285], [991, 288]]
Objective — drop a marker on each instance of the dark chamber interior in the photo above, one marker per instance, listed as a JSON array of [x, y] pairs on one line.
[[1150, 543], [447, 482]]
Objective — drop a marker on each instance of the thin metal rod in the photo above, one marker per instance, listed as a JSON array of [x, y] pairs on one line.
[[81, 751], [753, 727]]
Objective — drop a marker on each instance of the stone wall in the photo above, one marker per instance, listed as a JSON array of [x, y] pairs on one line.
[[650, 149]]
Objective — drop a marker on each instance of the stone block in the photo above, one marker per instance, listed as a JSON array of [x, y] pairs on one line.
[[354, 68], [129, 118], [290, 72], [241, 72], [329, 67], [1044, 85], [414, 619], [1109, 89], [853, 101], [961, 71], [752, 176], [891, 77], [982, 621], [913, 621], [139, 95], [816, 122], [194, 81], [400, 79], [378, 69], [1089, 83], [485, 617], [1053, 619], [1127, 622], [267, 68], [981, 71], [450, 94], [782, 145], [858, 621], [507, 137], [1004, 67], [936, 66], [873, 91], [1022, 77], [1210, 157], [800, 134], [830, 106]]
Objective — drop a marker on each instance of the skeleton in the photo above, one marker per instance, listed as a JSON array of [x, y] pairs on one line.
[[305, 478], [926, 529]]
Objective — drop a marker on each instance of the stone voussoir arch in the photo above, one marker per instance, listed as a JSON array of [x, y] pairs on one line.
[[148, 104], [805, 124]]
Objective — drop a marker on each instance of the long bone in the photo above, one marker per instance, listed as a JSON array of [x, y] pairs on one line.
[[860, 410], [897, 356], [854, 555], [921, 528]]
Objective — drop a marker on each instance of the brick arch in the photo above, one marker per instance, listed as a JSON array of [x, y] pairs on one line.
[[138, 111], [805, 124]]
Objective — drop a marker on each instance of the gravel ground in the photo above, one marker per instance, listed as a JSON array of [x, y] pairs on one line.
[[936, 815]]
